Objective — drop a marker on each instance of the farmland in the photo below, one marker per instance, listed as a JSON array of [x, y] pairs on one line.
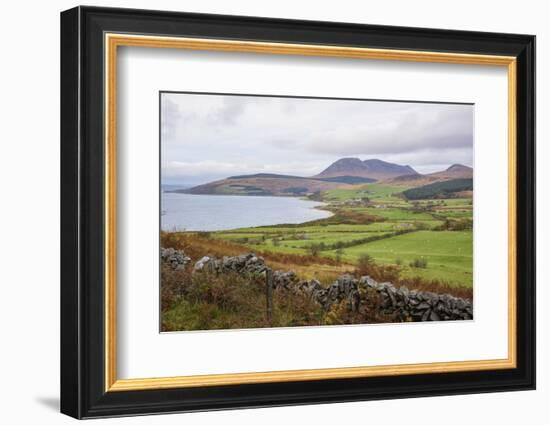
[[427, 240]]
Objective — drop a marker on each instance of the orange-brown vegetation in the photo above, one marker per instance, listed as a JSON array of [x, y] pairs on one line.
[[197, 245], [198, 301], [193, 301]]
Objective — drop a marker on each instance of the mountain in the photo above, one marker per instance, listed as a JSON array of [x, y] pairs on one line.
[[370, 168], [455, 171], [265, 185], [382, 170], [344, 167]]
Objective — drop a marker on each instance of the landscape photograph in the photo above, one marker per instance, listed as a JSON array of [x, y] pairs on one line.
[[296, 211]]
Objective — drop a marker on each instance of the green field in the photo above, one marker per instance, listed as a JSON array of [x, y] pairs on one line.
[[376, 192], [375, 219], [448, 254]]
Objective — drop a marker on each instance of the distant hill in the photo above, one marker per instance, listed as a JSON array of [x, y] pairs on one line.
[[456, 171], [265, 175], [441, 189], [338, 179], [411, 180], [371, 168], [265, 185], [343, 173]]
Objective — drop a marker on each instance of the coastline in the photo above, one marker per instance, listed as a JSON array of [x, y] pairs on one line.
[[244, 209]]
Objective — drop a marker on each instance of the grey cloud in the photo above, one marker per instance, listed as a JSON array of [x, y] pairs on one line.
[[252, 131], [231, 109], [170, 116], [401, 132]]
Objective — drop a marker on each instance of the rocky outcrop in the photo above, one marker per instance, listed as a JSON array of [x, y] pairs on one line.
[[401, 304]]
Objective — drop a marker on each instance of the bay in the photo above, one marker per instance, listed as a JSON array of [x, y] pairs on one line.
[[185, 212]]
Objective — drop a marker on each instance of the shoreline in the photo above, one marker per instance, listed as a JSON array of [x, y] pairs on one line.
[[319, 206]]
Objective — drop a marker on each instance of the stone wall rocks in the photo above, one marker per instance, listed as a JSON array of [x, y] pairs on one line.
[[176, 259], [245, 263], [401, 303]]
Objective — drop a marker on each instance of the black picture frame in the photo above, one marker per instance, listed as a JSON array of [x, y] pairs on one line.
[[83, 392]]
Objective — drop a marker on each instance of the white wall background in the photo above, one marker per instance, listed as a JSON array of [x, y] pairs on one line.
[[29, 224]]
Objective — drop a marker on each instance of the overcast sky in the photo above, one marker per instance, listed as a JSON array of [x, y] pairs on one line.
[[206, 137]]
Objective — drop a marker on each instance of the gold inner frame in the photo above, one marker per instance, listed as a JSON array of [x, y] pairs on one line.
[[113, 41]]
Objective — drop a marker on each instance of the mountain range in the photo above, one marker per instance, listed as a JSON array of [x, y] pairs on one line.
[[343, 173]]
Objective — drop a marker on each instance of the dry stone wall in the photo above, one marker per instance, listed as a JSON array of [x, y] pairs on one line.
[[401, 303]]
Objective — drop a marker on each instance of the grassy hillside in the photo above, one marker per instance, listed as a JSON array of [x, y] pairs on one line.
[[265, 185], [347, 179]]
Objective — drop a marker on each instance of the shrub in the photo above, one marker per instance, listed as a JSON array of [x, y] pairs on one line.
[[365, 262], [315, 248], [366, 266], [419, 263], [438, 286], [339, 252], [456, 225], [173, 284], [420, 225]]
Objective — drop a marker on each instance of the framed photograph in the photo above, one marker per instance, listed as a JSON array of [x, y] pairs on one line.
[[261, 212]]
